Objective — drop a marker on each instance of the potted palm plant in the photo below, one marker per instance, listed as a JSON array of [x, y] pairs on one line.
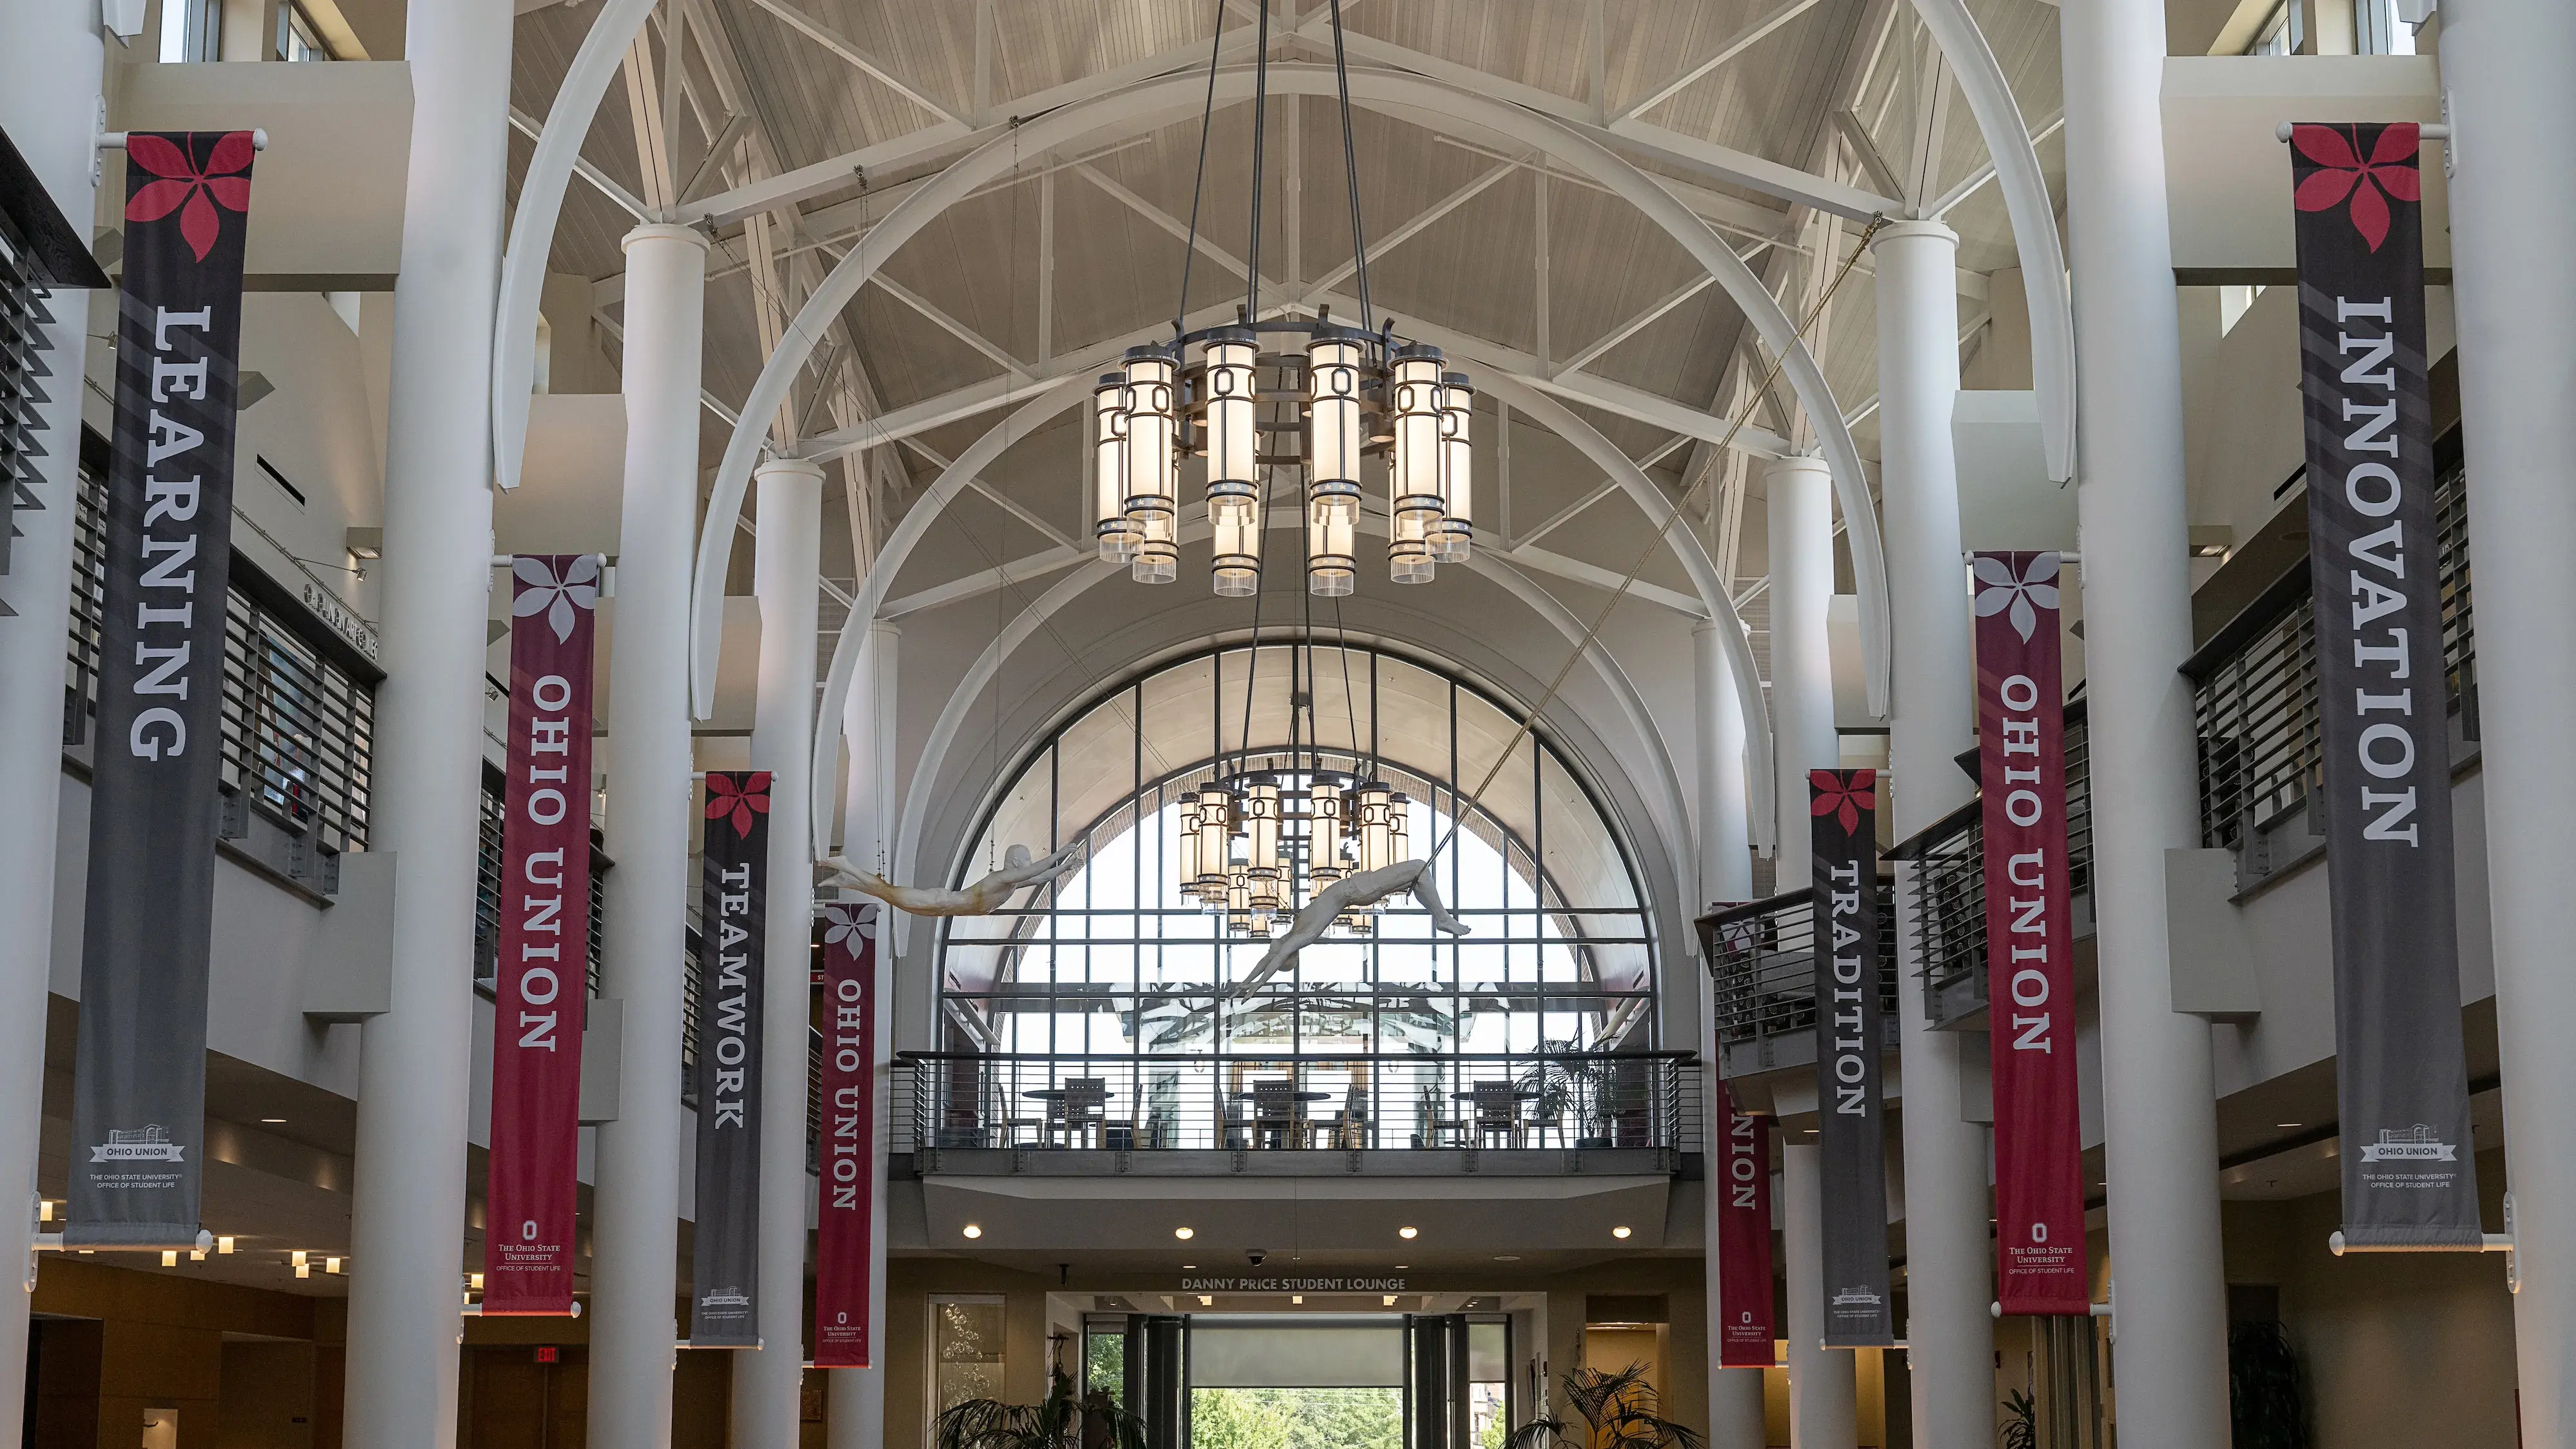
[[1064, 1421], [1618, 1412]]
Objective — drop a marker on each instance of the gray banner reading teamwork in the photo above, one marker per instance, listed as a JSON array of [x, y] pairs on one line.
[[2383, 695], [724, 1289], [156, 803], [1851, 1111]]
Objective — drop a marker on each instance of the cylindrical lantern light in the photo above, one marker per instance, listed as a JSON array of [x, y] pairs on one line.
[[1110, 526], [1371, 805], [1333, 442], [1397, 847], [1216, 836], [1456, 530], [1153, 423], [1189, 842], [1234, 479], [1265, 861], [1323, 836], [1414, 501]]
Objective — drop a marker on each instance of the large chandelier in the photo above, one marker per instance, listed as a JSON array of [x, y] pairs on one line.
[[1330, 404], [1325, 398], [1255, 844]]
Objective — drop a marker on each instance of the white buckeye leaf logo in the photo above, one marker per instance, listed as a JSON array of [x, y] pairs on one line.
[[553, 597], [1998, 590]]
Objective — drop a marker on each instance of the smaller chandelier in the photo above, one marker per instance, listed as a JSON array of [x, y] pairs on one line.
[[1345, 397], [1240, 852]]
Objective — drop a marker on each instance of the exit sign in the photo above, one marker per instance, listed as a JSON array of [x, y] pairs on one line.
[[549, 1354]]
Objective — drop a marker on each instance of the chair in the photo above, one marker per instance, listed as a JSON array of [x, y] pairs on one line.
[[1084, 1099], [1498, 1112], [1350, 1130], [1274, 1112]]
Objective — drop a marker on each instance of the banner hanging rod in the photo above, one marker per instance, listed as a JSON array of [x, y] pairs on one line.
[[2429, 130], [115, 140]]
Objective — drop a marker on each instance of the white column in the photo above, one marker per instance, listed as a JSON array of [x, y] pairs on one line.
[[1932, 718], [2504, 77], [409, 1204], [1725, 839], [635, 1223], [49, 84], [869, 795], [2171, 1355], [786, 578], [1725, 874], [1801, 517], [855, 1413], [1824, 1390]]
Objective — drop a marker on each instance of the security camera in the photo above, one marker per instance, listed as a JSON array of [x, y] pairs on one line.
[[1256, 1255]]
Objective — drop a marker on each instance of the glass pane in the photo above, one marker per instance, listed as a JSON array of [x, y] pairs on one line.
[[965, 1351]]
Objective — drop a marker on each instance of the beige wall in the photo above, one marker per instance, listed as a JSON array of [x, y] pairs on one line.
[[2401, 1349]]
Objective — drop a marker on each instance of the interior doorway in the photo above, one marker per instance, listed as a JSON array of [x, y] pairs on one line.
[[1307, 1381]]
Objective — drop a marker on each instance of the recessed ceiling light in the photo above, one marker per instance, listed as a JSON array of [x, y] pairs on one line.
[[1619, 1232], [1408, 1232], [1400, 1267], [1189, 1267], [274, 1121], [1296, 1297], [1388, 1300], [1185, 1234], [2289, 1124], [972, 1231], [1206, 1302], [1507, 1257]]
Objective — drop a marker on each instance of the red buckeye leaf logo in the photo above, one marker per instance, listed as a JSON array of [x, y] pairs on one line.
[[1844, 797], [2370, 185], [184, 187], [742, 799]]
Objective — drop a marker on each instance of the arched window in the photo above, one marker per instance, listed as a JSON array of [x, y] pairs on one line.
[[1116, 961]]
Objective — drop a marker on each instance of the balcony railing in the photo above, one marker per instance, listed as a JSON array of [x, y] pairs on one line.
[[2254, 689], [1949, 898], [1763, 957], [298, 704], [1298, 1106], [487, 887]]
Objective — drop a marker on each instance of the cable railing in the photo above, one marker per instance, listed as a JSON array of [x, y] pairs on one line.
[[1246, 1102], [1763, 958], [1949, 895], [487, 889], [2254, 687], [298, 702]]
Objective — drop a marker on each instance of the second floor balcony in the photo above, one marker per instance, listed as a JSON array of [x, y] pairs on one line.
[[1592, 1113]]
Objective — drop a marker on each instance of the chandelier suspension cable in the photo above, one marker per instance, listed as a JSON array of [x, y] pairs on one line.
[[1351, 174], [1252, 659], [1529, 721], [1260, 133], [1207, 116]]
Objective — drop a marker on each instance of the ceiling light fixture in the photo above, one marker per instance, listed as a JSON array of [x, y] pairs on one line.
[[1338, 396], [1388, 1300], [223, 1245], [1206, 1302], [1408, 1232], [972, 1231], [1619, 1232], [169, 1257], [1185, 1234]]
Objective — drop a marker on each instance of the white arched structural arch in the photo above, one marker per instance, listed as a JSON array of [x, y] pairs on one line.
[[1662, 793], [1054, 398], [1150, 103]]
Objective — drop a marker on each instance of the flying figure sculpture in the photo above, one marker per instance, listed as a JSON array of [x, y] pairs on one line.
[[1351, 893], [982, 898]]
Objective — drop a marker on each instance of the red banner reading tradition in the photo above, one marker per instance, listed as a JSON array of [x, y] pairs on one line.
[[846, 1209], [541, 968], [1743, 1187], [2021, 748]]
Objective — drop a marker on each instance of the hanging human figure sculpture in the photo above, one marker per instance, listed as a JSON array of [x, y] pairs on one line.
[[982, 898], [1352, 893]]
